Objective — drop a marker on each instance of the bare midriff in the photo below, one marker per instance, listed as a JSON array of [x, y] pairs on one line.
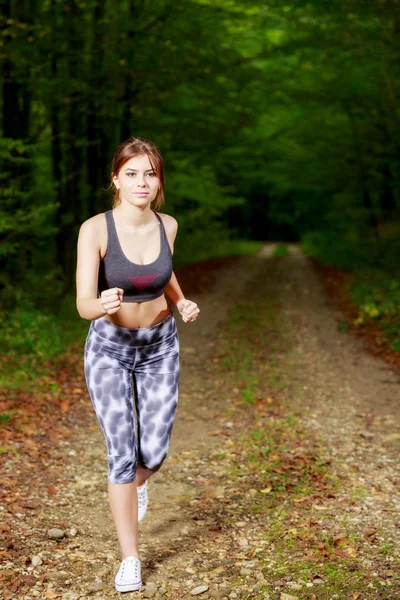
[[137, 315]]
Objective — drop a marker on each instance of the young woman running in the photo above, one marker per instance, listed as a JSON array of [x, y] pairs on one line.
[[124, 278]]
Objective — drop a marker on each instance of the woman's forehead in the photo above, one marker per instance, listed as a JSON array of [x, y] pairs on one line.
[[141, 162]]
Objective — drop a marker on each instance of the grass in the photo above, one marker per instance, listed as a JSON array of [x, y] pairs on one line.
[[31, 342], [5, 418], [281, 250]]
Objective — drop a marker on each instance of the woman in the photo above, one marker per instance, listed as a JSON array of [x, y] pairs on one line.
[[124, 277]]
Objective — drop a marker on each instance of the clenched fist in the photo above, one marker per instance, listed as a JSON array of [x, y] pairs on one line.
[[188, 310], [111, 300]]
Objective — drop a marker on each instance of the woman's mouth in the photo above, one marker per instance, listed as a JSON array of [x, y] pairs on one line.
[[141, 194]]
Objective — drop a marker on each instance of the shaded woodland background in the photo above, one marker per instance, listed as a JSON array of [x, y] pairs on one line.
[[277, 121]]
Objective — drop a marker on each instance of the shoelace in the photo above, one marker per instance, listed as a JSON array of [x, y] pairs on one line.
[[131, 562], [142, 495]]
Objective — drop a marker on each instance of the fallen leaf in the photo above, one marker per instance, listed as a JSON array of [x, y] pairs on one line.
[[77, 554], [50, 595], [340, 538], [319, 507], [218, 570], [371, 531], [30, 443]]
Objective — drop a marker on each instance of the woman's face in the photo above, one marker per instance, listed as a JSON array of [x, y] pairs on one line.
[[137, 181]]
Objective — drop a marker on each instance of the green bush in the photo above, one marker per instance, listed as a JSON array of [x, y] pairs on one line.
[[372, 258], [30, 332]]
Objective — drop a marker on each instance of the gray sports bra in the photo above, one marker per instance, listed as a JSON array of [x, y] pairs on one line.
[[140, 283]]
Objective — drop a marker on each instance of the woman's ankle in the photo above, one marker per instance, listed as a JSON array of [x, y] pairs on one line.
[[134, 553]]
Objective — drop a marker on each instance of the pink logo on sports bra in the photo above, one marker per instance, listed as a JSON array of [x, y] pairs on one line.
[[143, 281]]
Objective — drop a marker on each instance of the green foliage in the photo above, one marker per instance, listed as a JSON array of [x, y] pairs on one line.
[[376, 293], [31, 332], [378, 297], [375, 280], [395, 345], [26, 232], [30, 339], [249, 394], [276, 121], [333, 248], [5, 418], [194, 193]]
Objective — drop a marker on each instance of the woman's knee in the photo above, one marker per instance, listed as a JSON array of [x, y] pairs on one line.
[[122, 468], [152, 463]]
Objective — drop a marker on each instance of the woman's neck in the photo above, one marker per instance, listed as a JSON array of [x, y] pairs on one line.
[[133, 216]]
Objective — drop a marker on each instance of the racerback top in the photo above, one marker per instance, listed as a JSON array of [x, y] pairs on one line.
[[140, 283]]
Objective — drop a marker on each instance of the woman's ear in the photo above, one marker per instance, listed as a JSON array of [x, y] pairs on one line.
[[115, 181]]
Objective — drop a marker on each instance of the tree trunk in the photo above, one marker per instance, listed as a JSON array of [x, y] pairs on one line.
[[96, 153]]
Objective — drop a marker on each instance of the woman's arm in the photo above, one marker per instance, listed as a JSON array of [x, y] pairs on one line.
[[187, 309], [87, 272], [173, 291]]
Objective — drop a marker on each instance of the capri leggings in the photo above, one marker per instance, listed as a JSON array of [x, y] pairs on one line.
[[118, 361]]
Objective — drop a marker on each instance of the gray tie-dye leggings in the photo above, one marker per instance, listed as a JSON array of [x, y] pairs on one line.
[[118, 359]]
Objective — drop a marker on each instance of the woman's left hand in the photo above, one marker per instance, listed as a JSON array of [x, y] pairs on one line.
[[188, 310]]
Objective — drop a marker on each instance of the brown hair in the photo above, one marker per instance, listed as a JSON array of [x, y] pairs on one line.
[[133, 147]]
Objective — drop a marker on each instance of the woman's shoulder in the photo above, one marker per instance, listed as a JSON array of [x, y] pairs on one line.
[[170, 223], [94, 226]]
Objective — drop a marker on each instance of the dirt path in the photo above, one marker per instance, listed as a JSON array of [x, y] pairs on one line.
[[353, 397], [342, 395]]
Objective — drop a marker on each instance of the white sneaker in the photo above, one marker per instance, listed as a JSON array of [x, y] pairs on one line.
[[128, 578], [143, 500]]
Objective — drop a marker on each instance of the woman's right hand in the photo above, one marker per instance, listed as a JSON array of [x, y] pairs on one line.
[[111, 300]]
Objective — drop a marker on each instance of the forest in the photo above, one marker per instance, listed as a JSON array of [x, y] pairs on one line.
[[276, 120]]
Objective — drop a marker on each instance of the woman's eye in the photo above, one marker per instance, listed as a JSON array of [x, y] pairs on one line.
[[148, 174]]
